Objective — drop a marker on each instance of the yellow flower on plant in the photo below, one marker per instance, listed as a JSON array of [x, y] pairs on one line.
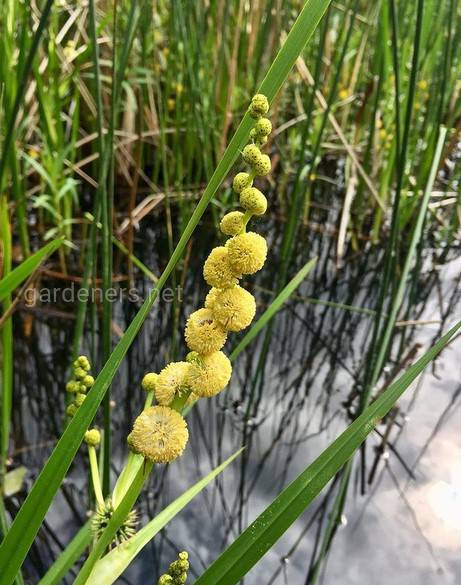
[[171, 382], [262, 166], [217, 271], [159, 434], [210, 374], [211, 297], [203, 333], [234, 308], [247, 252], [92, 437]]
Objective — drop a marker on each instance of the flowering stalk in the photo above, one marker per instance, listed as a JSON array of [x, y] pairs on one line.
[[160, 432]]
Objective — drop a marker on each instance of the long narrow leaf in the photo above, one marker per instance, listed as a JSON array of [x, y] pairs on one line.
[[260, 536], [14, 548], [25, 269]]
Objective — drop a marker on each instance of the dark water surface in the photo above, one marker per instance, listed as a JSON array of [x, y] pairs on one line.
[[285, 404]]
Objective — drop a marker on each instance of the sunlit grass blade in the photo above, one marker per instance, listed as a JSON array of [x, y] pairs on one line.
[[29, 518], [111, 566], [260, 536], [274, 307], [69, 556], [25, 269]]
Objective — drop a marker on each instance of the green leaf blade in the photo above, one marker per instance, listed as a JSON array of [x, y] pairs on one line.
[[260, 536]]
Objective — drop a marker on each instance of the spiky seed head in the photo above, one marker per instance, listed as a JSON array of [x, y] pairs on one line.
[[210, 374], [159, 434], [241, 180], [84, 363], [247, 252], [171, 382], [253, 201], [92, 437], [217, 271], [232, 223], [203, 333], [262, 166]]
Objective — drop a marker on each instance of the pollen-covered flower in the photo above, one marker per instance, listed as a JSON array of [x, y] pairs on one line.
[[171, 382], [210, 298], [259, 106], [159, 434], [234, 308], [253, 201], [149, 382], [232, 223], [210, 374], [251, 154], [203, 333], [262, 166], [241, 181], [217, 271], [247, 252]]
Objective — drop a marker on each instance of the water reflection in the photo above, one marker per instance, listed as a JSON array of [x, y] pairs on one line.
[[292, 391]]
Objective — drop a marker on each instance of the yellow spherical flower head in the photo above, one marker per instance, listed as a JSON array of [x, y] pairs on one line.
[[263, 127], [253, 201], [262, 166], [210, 374], [234, 308], [93, 437], [232, 223], [159, 434], [247, 252], [203, 333], [210, 298], [171, 382], [217, 271]]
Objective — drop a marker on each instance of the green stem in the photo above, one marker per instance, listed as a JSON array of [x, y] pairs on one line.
[[95, 475]]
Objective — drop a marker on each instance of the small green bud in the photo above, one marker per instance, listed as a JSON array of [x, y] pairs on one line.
[[259, 106], [79, 373], [192, 356], [253, 201], [263, 127], [241, 181], [81, 388], [72, 386], [88, 381], [257, 138], [79, 399], [251, 154], [183, 556], [166, 580], [71, 410], [93, 437], [232, 223], [84, 363], [149, 381], [262, 166]]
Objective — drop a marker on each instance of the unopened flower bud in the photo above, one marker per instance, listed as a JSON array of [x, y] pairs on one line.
[[93, 437]]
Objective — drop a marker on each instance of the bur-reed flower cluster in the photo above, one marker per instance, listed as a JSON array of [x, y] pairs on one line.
[[79, 385], [160, 432], [177, 571]]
